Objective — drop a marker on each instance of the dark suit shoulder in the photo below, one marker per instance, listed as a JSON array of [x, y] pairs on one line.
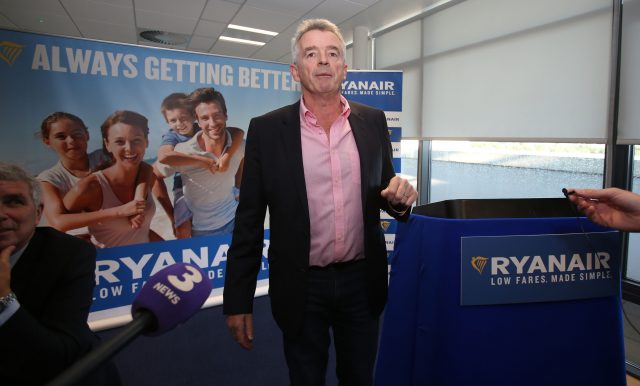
[[55, 242], [360, 108], [280, 113], [51, 235]]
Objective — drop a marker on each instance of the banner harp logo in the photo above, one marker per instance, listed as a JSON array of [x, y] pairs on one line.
[[9, 51]]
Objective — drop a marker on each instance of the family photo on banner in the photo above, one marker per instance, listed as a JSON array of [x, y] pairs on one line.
[[140, 150]]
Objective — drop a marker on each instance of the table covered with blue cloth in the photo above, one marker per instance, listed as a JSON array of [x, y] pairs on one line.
[[429, 338]]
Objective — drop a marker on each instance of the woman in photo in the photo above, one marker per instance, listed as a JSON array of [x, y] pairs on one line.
[[67, 135], [123, 179]]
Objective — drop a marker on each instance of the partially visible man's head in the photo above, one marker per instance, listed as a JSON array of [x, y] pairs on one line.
[[20, 205], [315, 24], [318, 62]]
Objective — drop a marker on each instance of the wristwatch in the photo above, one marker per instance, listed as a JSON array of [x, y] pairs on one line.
[[6, 300]]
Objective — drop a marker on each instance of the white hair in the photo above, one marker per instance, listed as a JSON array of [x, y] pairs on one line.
[[11, 172], [315, 24]]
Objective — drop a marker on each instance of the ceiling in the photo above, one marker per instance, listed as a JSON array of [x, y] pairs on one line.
[[201, 22]]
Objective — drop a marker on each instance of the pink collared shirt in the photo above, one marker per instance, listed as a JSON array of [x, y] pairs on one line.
[[332, 177]]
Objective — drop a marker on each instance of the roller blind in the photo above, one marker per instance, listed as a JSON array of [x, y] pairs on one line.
[[517, 70], [629, 108], [400, 50]]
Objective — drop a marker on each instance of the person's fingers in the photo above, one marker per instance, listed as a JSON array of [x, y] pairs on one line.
[[239, 326], [5, 270], [410, 196], [6, 253], [392, 192], [596, 194], [249, 327], [400, 192]]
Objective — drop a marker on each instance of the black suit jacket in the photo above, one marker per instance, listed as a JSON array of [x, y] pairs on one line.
[[53, 281], [274, 178]]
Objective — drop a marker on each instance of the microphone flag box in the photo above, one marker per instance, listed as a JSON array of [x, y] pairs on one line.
[[172, 295]]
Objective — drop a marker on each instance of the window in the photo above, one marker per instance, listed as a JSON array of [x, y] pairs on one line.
[[463, 169], [409, 161]]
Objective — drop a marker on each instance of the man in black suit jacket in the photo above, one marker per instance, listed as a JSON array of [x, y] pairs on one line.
[[327, 254], [46, 285]]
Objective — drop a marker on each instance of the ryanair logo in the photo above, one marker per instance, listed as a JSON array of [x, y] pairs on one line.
[[9, 51], [385, 225], [531, 268], [478, 263]]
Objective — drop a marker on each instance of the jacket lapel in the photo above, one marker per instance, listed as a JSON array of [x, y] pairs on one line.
[[293, 148], [27, 265], [362, 142]]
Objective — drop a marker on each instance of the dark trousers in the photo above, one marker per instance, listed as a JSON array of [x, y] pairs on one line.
[[336, 302]]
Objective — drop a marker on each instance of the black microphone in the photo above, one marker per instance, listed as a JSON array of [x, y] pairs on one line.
[[168, 298]]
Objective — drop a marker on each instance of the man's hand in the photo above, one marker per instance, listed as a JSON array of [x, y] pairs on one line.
[[136, 221], [5, 270], [400, 192], [209, 164], [223, 162], [131, 208], [241, 328]]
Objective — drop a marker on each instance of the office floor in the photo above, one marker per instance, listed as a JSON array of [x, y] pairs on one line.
[[631, 381]]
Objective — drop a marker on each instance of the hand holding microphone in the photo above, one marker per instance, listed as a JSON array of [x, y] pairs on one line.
[[168, 298], [611, 207]]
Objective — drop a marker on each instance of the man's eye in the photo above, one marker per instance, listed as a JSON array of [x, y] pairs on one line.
[[14, 201]]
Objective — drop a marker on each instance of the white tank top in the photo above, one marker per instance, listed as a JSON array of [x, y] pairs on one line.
[[118, 231]]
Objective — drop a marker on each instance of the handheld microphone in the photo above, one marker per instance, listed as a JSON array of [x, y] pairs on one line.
[[168, 298]]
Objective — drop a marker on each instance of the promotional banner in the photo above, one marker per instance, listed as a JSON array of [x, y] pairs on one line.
[[539, 268], [66, 101], [381, 89]]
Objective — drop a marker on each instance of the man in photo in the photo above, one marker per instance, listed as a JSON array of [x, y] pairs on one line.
[[209, 192]]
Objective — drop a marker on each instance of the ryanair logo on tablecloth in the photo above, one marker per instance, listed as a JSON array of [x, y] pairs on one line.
[[478, 263], [536, 268], [9, 51]]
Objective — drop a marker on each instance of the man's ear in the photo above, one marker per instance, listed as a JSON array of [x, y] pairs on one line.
[[293, 68], [39, 210]]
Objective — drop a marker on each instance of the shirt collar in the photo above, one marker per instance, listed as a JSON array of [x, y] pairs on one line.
[[311, 120], [13, 259], [227, 140]]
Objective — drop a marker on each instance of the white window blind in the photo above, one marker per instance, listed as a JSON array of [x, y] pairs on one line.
[[629, 110], [517, 70]]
